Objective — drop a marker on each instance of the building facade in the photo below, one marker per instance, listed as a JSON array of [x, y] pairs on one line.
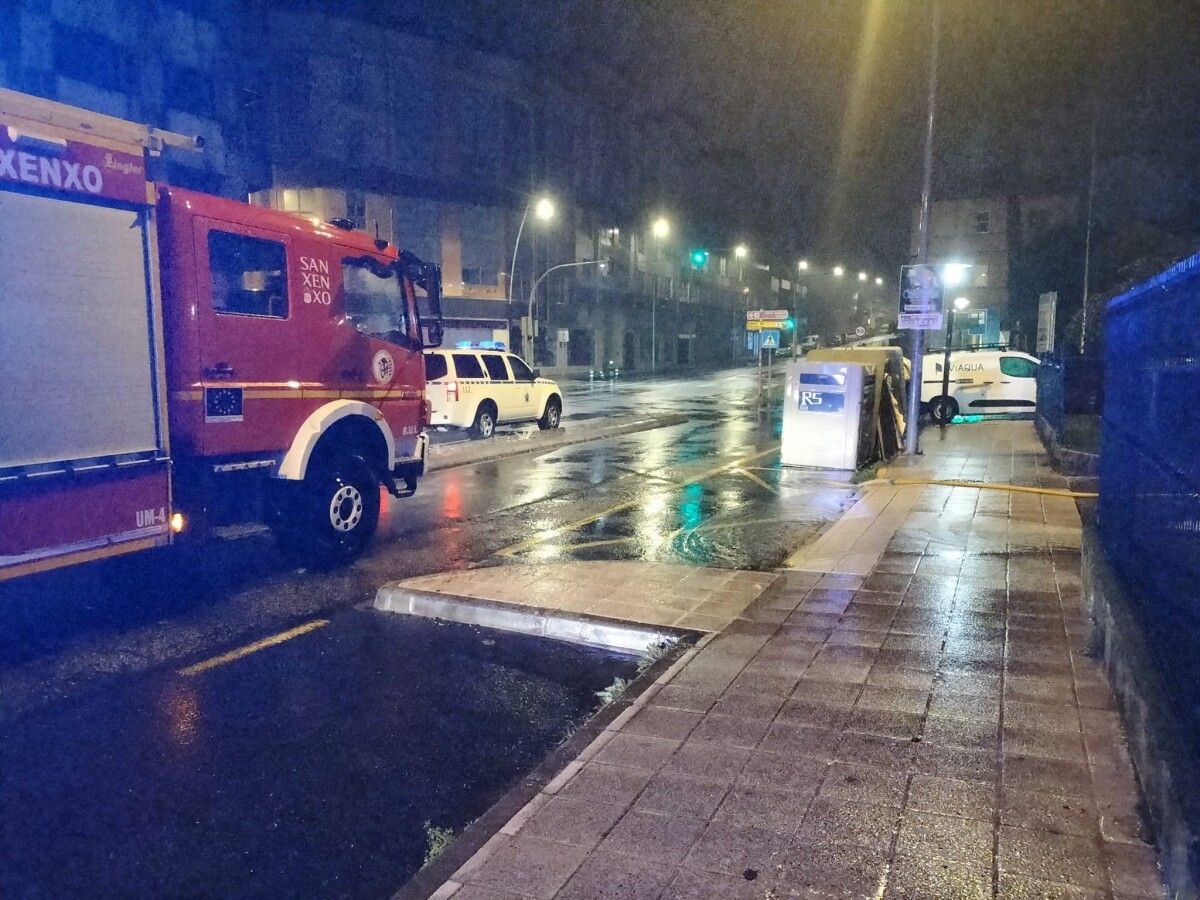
[[436, 148], [988, 235]]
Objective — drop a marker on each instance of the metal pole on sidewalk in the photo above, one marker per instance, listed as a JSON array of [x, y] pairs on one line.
[[946, 357], [918, 336]]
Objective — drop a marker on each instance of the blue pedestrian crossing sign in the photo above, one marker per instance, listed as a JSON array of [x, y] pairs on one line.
[[770, 340]]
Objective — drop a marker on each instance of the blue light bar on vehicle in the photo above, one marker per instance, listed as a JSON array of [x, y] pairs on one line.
[[480, 345]]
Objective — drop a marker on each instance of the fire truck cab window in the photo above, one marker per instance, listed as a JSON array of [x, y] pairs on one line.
[[375, 301], [248, 275]]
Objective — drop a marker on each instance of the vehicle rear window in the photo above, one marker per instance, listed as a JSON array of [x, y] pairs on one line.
[[1016, 367], [435, 366], [466, 365], [520, 370], [496, 368]]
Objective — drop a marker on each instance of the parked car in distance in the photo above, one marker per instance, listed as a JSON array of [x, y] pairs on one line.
[[477, 386]]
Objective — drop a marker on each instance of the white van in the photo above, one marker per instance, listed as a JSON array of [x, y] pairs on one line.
[[981, 382], [477, 386]]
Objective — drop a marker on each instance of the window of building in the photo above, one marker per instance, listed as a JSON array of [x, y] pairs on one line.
[[472, 274], [983, 222], [466, 365], [581, 351], [248, 275], [496, 368], [521, 371], [1016, 367], [91, 57], [356, 209], [191, 91]]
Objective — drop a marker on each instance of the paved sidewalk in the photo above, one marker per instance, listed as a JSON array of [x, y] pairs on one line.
[[922, 726]]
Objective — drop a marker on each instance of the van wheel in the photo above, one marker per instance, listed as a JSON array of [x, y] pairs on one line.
[[485, 421], [331, 519], [553, 414], [942, 410]]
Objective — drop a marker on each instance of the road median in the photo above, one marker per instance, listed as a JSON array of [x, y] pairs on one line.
[[465, 453]]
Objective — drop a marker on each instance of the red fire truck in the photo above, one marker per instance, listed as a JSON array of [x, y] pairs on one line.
[[171, 360]]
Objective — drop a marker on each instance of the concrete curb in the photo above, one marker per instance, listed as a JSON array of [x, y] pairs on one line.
[[447, 877], [448, 456], [576, 628], [1159, 743], [1069, 462]]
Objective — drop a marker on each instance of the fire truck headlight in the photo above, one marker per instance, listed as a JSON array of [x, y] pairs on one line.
[[177, 522]]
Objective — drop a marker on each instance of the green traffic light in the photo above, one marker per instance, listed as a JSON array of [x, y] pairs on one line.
[[699, 257], [789, 323]]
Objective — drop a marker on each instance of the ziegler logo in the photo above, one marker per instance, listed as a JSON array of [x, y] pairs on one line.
[[60, 173], [317, 286]]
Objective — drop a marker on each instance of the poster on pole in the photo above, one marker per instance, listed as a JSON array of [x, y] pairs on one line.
[[920, 299], [1047, 309]]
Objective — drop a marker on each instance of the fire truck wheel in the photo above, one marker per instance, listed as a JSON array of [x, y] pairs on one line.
[[338, 511], [551, 416], [485, 420]]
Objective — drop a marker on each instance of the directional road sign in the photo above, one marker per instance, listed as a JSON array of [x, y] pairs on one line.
[[767, 315]]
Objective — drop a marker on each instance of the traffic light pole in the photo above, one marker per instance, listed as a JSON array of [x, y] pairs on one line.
[[916, 384]]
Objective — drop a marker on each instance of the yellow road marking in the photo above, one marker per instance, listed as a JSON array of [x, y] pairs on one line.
[[755, 478], [604, 543], [580, 523], [271, 641]]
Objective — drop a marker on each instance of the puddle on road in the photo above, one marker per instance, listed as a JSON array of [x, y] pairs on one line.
[[310, 769], [750, 519]]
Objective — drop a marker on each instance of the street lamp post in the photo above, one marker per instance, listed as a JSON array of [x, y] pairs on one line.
[[960, 303], [543, 211], [912, 426], [542, 277], [660, 229]]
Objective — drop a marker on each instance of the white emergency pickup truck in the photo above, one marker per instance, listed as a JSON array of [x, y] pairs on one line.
[[477, 386]]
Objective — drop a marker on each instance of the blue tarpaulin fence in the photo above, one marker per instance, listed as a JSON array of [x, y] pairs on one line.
[[1149, 513], [1069, 384]]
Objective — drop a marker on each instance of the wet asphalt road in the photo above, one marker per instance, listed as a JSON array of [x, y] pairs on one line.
[[109, 638]]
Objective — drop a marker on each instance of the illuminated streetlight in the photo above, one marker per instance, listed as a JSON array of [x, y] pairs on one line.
[[803, 265], [661, 228], [862, 276], [741, 251], [954, 274], [544, 209], [961, 303], [838, 271], [878, 281]]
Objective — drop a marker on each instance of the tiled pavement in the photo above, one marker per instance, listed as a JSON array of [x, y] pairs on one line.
[[928, 729]]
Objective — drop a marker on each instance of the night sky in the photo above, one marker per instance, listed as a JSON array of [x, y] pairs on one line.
[[821, 102], [808, 113]]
